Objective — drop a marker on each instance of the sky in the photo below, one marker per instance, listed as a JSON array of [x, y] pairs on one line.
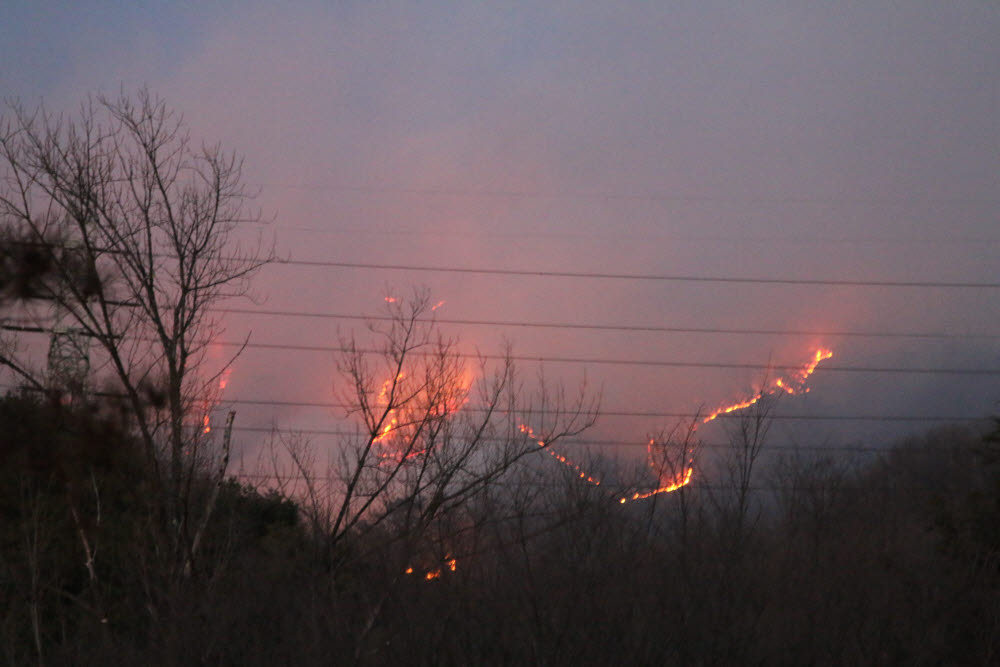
[[808, 141]]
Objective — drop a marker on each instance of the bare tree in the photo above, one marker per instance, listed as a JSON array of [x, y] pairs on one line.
[[673, 455], [747, 434], [431, 430], [134, 232], [434, 433]]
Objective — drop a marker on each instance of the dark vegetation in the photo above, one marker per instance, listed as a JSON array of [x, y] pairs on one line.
[[893, 562]]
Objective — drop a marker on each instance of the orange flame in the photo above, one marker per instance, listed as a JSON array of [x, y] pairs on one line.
[[792, 386], [682, 479], [414, 412], [451, 564], [223, 381], [391, 421]]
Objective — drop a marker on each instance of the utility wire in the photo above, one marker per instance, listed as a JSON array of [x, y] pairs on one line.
[[846, 485], [629, 413], [627, 362], [615, 327], [643, 276], [660, 238], [982, 372], [639, 443], [600, 413], [606, 276], [644, 196], [636, 328]]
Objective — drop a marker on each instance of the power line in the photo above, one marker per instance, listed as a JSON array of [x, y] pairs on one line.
[[600, 413], [616, 327], [632, 413], [612, 195], [638, 328], [643, 277], [627, 362], [982, 372], [641, 443], [606, 276], [660, 238], [843, 485], [616, 276]]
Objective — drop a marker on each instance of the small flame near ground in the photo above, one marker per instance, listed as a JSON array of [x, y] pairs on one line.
[[450, 565]]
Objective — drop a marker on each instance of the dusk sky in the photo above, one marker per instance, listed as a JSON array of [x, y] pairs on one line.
[[803, 141]]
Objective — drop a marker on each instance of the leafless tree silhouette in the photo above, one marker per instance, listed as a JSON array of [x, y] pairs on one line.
[[132, 233]]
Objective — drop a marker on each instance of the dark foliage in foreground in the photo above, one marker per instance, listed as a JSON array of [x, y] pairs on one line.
[[892, 562]]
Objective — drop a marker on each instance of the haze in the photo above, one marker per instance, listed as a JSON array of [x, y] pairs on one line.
[[827, 141]]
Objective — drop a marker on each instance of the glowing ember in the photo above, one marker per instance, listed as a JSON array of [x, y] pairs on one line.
[[527, 430], [450, 564]]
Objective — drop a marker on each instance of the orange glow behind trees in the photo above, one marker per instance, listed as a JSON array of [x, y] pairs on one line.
[[430, 401], [211, 403]]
